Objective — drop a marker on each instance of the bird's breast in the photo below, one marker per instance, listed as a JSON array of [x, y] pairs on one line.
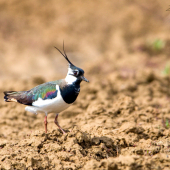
[[69, 93]]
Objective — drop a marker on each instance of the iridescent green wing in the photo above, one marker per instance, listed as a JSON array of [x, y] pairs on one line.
[[44, 91]]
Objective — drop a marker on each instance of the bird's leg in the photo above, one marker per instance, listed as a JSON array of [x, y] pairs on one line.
[[56, 122], [45, 123]]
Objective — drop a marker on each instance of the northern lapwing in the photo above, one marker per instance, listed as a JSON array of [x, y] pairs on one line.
[[51, 97]]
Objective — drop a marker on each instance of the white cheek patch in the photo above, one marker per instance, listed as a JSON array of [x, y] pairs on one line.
[[69, 71], [70, 79]]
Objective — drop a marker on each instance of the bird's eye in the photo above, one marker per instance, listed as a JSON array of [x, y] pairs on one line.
[[75, 73]]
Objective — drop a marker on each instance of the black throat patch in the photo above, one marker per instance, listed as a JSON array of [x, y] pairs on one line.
[[69, 93]]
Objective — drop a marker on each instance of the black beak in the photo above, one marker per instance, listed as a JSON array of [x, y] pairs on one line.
[[83, 78]]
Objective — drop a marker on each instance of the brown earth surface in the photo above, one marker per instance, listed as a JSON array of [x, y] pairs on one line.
[[121, 119]]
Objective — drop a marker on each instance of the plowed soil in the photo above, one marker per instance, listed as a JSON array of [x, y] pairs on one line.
[[121, 119]]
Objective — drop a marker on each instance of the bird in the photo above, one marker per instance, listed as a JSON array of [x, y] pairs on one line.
[[51, 97]]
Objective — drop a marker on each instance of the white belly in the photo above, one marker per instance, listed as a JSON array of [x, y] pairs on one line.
[[55, 105]]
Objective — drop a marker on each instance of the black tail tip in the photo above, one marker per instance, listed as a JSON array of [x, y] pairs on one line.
[[6, 98], [6, 93]]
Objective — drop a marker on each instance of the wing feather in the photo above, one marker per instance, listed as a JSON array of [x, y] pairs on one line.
[[44, 91]]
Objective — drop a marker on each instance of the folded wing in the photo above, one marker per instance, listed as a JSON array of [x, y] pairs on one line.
[[44, 91]]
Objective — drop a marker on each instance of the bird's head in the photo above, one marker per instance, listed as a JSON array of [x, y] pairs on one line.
[[74, 74]]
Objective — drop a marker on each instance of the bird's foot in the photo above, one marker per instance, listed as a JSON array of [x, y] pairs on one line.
[[56, 122]]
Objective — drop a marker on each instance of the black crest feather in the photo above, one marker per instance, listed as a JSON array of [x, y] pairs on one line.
[[65, 55]]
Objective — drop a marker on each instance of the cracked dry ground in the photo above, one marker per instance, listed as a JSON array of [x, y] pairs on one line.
[[122, 125]]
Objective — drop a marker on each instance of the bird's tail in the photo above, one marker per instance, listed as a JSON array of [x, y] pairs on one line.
[[12, 96]]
